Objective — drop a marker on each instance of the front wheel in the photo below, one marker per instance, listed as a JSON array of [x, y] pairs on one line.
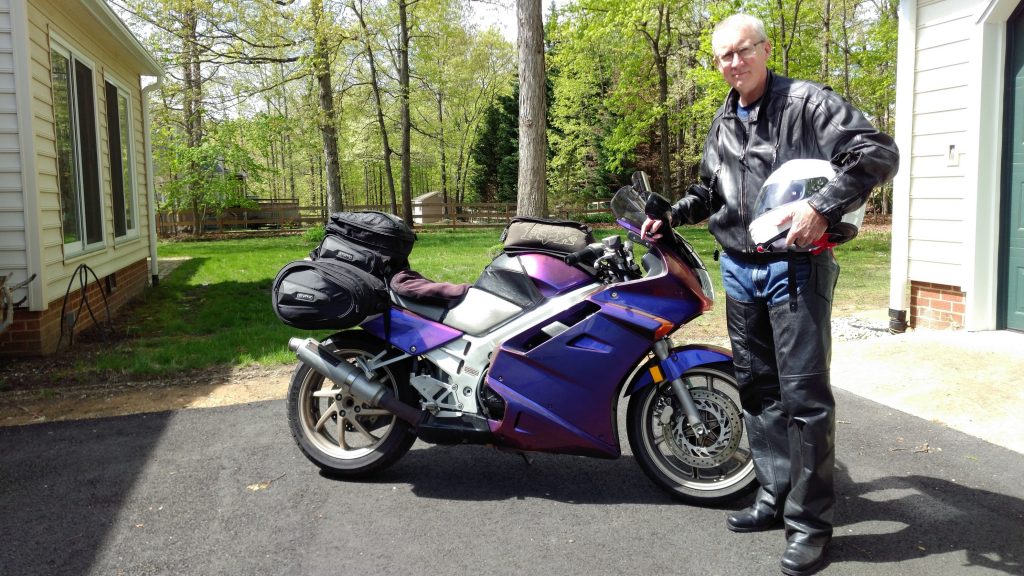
[[337, 432], [710, 470]]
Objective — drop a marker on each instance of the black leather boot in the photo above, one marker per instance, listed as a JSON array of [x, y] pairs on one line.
[[753, 519], [802, 559]]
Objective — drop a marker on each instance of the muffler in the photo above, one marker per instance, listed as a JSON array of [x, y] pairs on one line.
[[342, 373]]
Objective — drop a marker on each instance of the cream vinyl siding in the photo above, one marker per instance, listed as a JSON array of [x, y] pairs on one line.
[[76, 29], [940, 192], [13, 240]]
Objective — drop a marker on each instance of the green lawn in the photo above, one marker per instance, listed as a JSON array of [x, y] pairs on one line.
[[214, 309]]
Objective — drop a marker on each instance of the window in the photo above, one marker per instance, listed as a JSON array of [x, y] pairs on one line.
[[122, 175], [74, 112]]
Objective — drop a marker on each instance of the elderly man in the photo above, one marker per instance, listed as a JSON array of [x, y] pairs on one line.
[[779, 304]]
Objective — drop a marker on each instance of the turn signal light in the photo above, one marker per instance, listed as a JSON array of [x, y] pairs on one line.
[[664, 329]]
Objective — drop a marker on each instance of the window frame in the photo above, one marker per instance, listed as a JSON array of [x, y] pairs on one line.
[[79, 149], [130, 189]]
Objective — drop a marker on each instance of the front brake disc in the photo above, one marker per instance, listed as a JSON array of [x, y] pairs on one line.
[[724, 425]]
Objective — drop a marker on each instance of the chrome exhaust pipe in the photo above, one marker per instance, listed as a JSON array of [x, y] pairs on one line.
[[311, 353]]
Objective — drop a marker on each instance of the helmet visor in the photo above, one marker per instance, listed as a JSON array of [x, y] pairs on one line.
[[784, 191]]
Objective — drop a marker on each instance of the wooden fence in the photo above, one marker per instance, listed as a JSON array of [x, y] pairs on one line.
[[269, 215]]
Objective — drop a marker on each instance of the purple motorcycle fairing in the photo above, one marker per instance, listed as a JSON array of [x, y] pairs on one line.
[[410, 332], [561, 391], [551, 275]]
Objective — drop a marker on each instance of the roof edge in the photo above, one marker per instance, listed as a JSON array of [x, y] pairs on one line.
[[113, 23]]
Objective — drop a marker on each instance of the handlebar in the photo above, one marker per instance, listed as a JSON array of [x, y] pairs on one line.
[[588, 254]]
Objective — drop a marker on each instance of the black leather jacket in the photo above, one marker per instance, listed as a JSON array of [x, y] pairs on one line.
[[795, 119]]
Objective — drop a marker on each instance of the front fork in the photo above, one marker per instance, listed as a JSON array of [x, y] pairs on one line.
[[662, 349]]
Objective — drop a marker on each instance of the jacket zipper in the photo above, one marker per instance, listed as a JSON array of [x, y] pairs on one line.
[[746, 171]]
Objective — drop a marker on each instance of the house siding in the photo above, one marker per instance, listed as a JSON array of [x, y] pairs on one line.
[[939, 192], [70, 22], [117, 269], [13, 240]]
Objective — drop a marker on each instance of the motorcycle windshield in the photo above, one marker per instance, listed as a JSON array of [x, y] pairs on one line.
[[628, 207]]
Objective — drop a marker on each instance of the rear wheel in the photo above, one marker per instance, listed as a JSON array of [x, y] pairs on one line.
[[712, 469], [337, 432]]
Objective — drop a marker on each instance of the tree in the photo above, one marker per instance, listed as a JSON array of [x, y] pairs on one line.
[[375, 85], [632, 85], [406, 127], [219, 166], [496, 151], [321, 64], [532, 197]]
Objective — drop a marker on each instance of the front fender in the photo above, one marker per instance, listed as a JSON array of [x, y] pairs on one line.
[[682, 359]]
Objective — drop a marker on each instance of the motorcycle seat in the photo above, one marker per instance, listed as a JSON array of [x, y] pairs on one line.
[[428, 311]]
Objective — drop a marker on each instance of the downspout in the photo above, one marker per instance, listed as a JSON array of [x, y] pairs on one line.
[[147, 142], [899, 266]]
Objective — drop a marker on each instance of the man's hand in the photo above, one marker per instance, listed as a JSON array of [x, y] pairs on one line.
[[808, 225], [650, 229]]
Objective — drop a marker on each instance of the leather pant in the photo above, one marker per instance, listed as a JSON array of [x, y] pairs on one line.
[[782, 355]]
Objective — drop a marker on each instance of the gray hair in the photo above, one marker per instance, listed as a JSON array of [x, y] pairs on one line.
[[741, 21]]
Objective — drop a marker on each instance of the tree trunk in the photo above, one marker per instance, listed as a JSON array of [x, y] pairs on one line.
[[660, 43], [444, 161], [193, 106], [532, 195], [375, 85], [826, 44], [787, 37], [403, 86], [846, 52], [288, 152], [663, 129], [328, 127]]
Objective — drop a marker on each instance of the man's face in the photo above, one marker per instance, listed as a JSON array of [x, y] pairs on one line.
[[742, 59]]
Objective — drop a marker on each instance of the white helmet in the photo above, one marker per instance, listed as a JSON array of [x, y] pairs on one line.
[[796, 181]]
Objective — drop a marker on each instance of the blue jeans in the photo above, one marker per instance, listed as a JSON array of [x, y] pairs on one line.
[[766, 282]]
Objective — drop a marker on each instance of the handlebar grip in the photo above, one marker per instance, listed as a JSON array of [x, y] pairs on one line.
[[588, 253]]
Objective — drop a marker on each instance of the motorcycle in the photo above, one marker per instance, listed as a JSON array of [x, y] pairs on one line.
[[541, 370]]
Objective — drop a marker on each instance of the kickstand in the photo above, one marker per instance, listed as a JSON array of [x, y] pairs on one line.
[[527, 458]]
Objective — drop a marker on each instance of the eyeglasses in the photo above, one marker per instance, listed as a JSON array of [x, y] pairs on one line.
[[743, 53]]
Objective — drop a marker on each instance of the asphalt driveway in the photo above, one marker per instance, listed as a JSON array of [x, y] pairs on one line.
[[225, 491]]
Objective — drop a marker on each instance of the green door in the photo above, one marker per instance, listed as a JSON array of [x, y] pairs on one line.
[[1011, 285]]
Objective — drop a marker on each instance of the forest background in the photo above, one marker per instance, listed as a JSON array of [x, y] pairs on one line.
[[351, 102]]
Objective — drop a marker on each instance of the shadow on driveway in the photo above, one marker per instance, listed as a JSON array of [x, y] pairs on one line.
[[901, 518], [64, 485]]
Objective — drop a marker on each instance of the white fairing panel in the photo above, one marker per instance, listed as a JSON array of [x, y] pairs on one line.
[[479, 311]]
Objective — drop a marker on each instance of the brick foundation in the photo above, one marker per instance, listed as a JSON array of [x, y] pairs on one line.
[[39, 333], [936, 306]]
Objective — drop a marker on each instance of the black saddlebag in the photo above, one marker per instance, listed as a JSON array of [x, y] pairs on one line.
[[386, 235], [326, 294], [553, 237]]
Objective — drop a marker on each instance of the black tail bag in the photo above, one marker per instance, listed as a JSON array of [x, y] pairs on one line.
[[327, 294], [334, 247], [386, 235]]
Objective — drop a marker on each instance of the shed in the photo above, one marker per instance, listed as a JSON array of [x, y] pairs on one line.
[[75, 166], [958, 234], [428, 208]]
